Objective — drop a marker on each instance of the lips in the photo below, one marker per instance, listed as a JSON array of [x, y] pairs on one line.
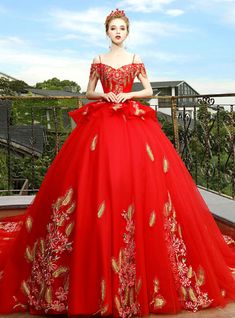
[[117, 37]]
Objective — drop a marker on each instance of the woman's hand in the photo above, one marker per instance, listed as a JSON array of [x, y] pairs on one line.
[[110, 97], [122, 97]]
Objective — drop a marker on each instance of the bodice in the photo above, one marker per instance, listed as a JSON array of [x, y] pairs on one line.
[[117, 80]]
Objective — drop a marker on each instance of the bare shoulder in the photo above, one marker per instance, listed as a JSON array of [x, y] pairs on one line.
[[137, 59], [96, 59]]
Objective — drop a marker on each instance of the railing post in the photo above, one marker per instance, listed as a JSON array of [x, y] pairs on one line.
[[175, 123]]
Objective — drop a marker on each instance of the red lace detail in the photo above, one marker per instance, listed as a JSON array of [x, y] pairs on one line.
[[119, 79]]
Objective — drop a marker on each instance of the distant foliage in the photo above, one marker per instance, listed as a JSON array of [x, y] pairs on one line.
[[12, 88], [56, 84]]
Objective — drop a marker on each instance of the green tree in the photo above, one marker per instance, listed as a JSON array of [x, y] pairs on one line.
[[11, 88], [55, 83]]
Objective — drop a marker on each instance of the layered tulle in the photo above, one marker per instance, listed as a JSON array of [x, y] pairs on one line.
[[117, 228]]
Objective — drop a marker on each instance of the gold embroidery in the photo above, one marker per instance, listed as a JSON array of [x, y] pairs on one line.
[[29, 254], [29, 223], [115, 265], [223, 293], [94, 142], [103, 289], [158, 300], [48, 295], [187, 281], [71, 208], [138, 110], [67, 198], [69, 228], [165, 165], [152, 219], [101, 209], [59, 271], [149, 151], [117, 106], [25, 288], [126, 301]]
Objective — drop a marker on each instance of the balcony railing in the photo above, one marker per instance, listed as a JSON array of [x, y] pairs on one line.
[[32, 130]]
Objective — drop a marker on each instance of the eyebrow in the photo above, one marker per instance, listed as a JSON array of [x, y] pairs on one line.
[[115, 25]]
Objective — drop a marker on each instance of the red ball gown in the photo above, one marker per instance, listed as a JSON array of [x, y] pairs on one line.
[[118, 226]]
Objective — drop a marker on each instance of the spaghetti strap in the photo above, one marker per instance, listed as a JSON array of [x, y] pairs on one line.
[[133, 58]]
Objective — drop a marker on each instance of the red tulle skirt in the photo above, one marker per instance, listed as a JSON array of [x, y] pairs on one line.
[[118, 227]]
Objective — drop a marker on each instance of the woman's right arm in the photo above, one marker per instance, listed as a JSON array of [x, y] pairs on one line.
[[91, 93]]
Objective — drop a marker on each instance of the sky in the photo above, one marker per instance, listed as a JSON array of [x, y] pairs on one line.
[[191, 40]]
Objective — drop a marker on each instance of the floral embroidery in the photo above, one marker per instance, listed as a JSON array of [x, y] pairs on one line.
[[10, 226], [126, 300], [158, 300], [138, 111], [116, 79], [117, 106], [45, 255], [187, 280]]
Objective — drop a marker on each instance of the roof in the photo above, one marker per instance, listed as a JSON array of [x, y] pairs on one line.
[[8, 76], [163, 84], [52, 92]]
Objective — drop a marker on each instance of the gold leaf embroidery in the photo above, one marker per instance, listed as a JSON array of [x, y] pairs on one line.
[[190, 272], [29, 223], [165, 165], [71, 208], [139, 284], [42, 290], [152, 219], [169, 200], [117, 302], [149, 151], [130, 211], [25, 288], [59, 271], [42, 246], [120, 257], [166, 209], [192, 294], [66, 284], [115, 265], [69, 228], [29, 254], [104, 309], [101, 209], [103, 289], [94, 142], [126, 296], [184, 292], [48, 295], [223, 293], [68, 197], [180, 231], [200, 276]]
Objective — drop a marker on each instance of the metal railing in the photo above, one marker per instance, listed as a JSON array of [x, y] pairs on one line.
[[32, 130]]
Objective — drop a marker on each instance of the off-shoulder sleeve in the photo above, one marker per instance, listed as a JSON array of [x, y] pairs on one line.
[[94, 70], [141, 69]]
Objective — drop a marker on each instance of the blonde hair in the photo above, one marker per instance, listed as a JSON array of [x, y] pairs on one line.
[[118, 14]]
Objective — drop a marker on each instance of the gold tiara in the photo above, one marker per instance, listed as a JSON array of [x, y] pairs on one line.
[[116, 13]]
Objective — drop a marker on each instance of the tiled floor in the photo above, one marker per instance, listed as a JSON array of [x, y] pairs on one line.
[[226, 312]]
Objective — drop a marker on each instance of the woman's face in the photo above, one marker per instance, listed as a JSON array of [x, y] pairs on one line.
[[117, 30]]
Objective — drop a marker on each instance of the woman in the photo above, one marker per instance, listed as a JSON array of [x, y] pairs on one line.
[[118, 226]]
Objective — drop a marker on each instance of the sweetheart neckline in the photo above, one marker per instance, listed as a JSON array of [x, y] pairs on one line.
[[118, 67]]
